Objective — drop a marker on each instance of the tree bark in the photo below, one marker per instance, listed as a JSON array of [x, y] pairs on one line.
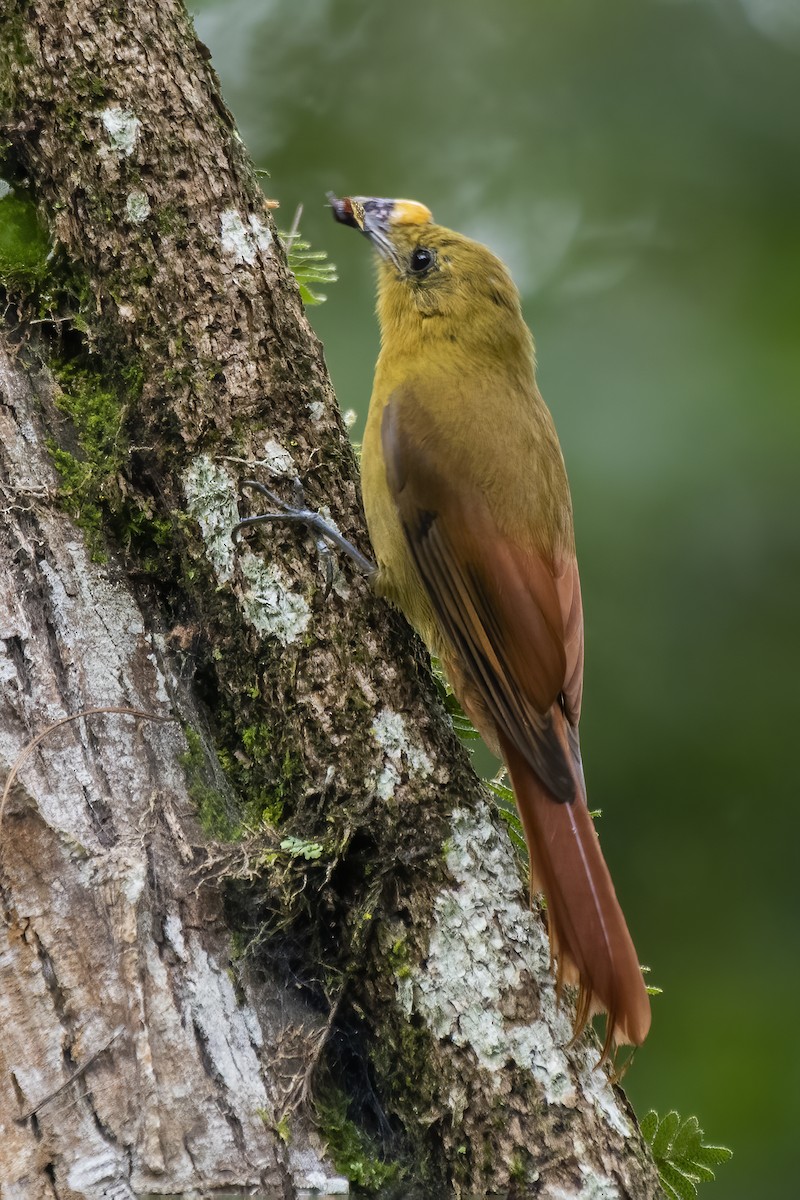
[[141, 1051]]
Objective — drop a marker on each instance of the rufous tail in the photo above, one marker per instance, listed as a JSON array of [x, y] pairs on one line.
[[588, 934]]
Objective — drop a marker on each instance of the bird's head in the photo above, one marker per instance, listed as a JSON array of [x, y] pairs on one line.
[[434, 283]]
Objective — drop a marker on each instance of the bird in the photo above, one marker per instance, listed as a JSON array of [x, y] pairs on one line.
[[470, 517]]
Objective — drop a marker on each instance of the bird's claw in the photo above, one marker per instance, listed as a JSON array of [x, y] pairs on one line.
[[297, 513], [326, 555]]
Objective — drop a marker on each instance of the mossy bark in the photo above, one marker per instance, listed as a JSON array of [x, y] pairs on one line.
[[319, 720]]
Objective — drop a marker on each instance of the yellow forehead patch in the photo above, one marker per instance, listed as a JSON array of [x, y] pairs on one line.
[[410, 212]]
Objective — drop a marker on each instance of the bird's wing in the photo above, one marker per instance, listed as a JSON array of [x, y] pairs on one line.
[[513, 617]]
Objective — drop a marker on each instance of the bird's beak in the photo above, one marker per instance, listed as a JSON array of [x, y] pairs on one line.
[[378, 218]]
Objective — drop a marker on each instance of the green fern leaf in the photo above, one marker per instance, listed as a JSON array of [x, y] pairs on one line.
[[461, 722], [667, 1128], [504, 794], [712, 1156], [700, 1173], [507, 807], [682, 1158], [309, 267], [517, 837], [648, 1125], [675, 1183], [651, 989], [687, 1139]]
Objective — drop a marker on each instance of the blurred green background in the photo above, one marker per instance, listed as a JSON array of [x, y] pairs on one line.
[[637, 164]]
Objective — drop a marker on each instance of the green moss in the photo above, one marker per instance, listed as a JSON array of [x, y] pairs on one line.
[[398, 958], [24, 245], [93, 486], [406, 1069], [239, 944], [251, 769], [256, 740], [148, 537], [353, 1152], [171, 220], [65, 294], [92, 87], [90, 473], [248, 760], [212, 806], [271, 810], [414, 1059], [517, 1171], [132, 375]]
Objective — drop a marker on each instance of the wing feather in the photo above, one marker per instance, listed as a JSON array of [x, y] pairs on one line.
[[501, 606]]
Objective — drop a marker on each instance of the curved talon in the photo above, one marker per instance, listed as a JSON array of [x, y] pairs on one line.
[[264, 490], [300, 515], [324, 551]]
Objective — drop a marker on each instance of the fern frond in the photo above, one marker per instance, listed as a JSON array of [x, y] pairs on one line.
[[309, 267], [682, 1157]]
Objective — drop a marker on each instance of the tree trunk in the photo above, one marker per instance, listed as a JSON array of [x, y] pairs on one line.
[[311, 805]]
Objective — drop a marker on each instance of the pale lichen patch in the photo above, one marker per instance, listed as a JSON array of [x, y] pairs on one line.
[[485, 947], [132, 880], [260, 234], [400, 753], [595, 1084], [269, 603], [137, 207], [122, 127], [317, 410], [593, 1187], [242, 241], [277, 459], [211, 497], [405, 995]]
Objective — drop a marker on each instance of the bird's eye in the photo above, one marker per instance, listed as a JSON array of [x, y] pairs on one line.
[[421, 259]]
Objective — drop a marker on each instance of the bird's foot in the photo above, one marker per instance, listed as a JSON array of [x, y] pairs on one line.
[[296, 513]]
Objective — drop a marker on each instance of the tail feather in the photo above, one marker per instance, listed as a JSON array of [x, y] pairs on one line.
[[588, 934]]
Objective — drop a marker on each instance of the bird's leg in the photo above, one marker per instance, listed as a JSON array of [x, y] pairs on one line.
[[298, 514]]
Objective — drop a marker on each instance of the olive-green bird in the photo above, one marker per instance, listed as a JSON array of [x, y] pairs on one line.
[[470, 518]]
